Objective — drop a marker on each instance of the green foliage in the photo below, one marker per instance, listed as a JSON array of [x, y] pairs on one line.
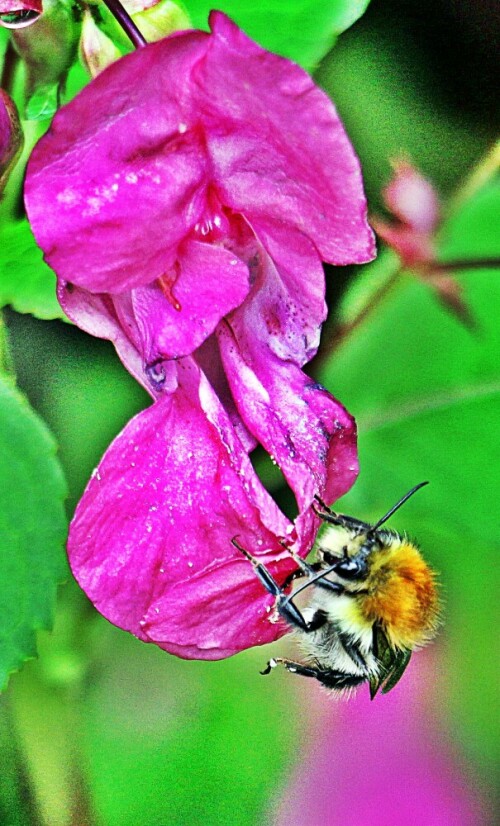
[[303, 30], [198, 743], [32, 529], [426, 395], [42, 104], [401, 108], [26, 282]]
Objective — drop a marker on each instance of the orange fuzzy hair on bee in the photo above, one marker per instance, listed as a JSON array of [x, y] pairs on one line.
[[402, 594]]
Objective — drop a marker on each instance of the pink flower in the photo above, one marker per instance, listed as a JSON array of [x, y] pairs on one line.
[[185, 200], [384, 763]]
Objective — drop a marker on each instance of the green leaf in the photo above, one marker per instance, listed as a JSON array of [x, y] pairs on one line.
[[426, 395], [26, 282], [32, 529], [302, 30], [199, 730], [43, 103]]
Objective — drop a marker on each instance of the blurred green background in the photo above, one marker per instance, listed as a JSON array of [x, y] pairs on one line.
[[102, 729]]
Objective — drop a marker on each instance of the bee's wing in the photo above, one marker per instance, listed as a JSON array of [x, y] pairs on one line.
[[401, 660], [392, 661]]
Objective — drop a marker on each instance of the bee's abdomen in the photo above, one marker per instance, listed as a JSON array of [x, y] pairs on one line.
[[402, 596]]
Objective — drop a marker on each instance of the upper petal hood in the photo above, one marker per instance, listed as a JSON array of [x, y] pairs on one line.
[[119, 179], [278, 147]]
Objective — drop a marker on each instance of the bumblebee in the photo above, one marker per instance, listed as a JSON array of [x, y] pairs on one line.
[[371, 600]]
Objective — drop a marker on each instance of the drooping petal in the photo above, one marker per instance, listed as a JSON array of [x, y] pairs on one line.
[[150, 542], [208, 283], [97, 315], [294, 287], [278, 147], [120, 178], [307, 432]]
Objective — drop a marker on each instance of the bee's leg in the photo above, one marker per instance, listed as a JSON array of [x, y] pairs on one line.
[[286, 607], [304, 569], [327, 515], [290, 665], [338, 680], [327, 677]]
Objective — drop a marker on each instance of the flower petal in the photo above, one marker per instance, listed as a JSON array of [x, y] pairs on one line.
[[278, 148], [293, 281], [98, 316], [120, 179], [150, 542], [211, 281], [306, 431]]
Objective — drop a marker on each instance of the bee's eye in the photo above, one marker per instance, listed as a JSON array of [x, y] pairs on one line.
[[351, 568]]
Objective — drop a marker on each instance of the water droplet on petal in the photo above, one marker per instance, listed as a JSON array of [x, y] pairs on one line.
[[19, 19]]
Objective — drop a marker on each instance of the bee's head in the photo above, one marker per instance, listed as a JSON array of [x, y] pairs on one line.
[[348, 552], [347, 549]]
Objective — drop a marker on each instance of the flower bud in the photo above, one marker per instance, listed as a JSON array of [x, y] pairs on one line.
[[97, 51], [11, 137], [48, 50]]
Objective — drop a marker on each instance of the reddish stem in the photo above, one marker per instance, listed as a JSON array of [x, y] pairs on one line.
[[126, 22]]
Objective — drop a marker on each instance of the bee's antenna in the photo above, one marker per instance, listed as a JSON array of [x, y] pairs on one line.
[[397, 506]]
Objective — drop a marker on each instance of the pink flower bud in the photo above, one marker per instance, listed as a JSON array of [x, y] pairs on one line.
[[412, 198]]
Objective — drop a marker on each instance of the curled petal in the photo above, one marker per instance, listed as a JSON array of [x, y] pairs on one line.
[[150, 542], [175, 318], [98, 316], [119, 180], [294, 286], [307, 432], [308, 174]]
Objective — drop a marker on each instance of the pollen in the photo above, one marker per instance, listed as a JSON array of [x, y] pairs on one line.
[[402, 595]]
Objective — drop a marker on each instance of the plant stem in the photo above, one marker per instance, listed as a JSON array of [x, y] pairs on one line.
[[126, 22], [484, 170], [464, 264], [345, 330], [8, 69]]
